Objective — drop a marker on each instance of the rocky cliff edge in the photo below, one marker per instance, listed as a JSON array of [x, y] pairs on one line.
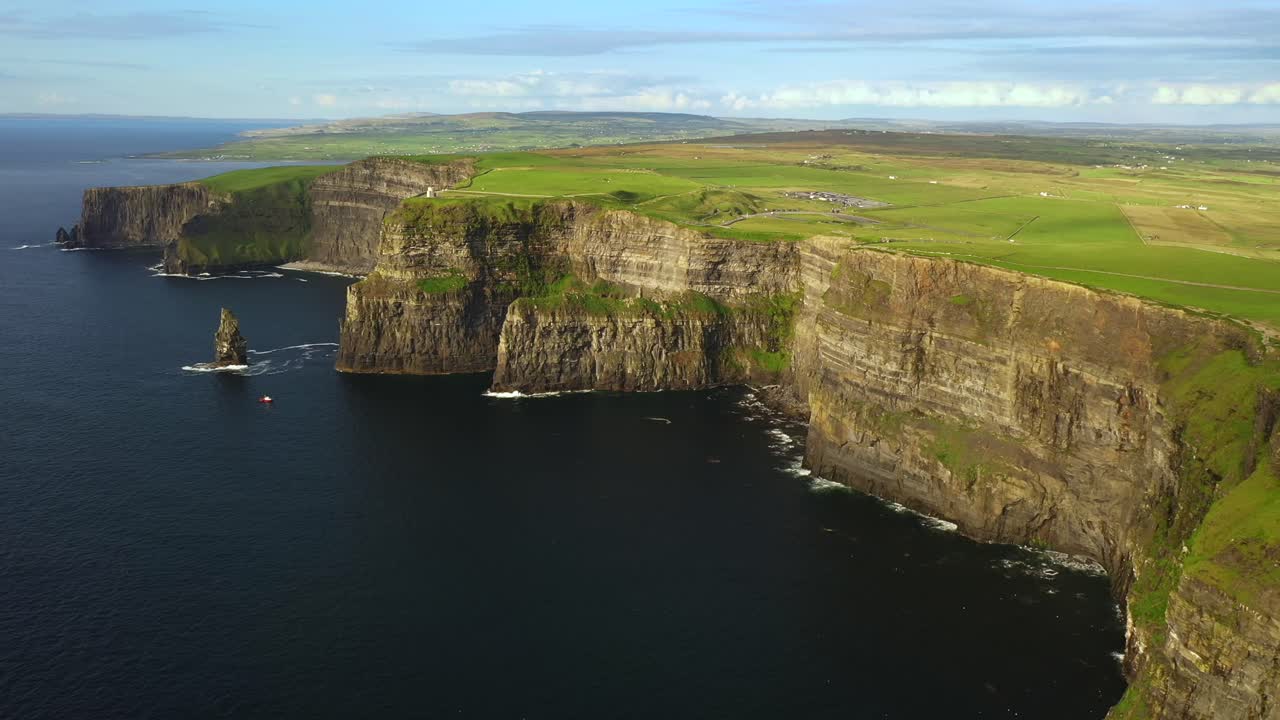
[[1025, 410]]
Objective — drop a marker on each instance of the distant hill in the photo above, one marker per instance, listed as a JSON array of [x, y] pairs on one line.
[[431, 133], [425, 133]]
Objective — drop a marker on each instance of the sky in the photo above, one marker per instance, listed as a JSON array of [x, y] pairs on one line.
[[1172, 61]]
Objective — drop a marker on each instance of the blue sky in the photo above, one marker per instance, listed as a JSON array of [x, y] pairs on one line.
[[1179, 61]]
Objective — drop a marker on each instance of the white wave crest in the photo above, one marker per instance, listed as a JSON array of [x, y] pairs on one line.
[[241, 275], [1048, 564], [293, 347], [781, 440], [302, 267], [209, 368], [928, 520], [517, 395], [823, 485], [1078, 563], [797, 469], [940, 524], [28, 247], [294, 357]]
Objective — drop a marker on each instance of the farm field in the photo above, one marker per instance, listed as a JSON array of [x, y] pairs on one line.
[[1195, 226], [1112, 227], [245, 180], [477, 132]]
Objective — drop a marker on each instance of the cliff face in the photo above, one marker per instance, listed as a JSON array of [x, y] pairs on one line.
[[667, 346], [642, 252], [1020, 408], [603, 300], [437, 299], [250, 228], [394, 327], [1027, 410], [139, 217], [1023, 409], [348, 206], [332, 223]]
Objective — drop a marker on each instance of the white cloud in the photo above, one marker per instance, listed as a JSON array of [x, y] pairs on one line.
[[544, 84], [295, 100], [488, 88], [1266, 95], [942, 95], [1197, 95], [53, 98], [590, 90], [1216, 95], [395, 103], [645, 100], [324, 99]]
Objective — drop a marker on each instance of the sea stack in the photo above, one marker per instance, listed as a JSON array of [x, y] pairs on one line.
[[229, 346], [68, 239]]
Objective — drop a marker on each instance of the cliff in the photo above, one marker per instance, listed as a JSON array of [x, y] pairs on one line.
[[1033, 411], [329, 222], [348, 206], [1024, 410], [266, 225], [567, 296], [137, 217]]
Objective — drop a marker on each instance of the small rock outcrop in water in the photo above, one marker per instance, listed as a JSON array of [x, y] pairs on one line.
[[230, 347], [68, 239]]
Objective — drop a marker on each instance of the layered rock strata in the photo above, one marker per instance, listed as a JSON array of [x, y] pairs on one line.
[[651, 305], [349, 205], [1032, 411], [146, 217], [331, 223]]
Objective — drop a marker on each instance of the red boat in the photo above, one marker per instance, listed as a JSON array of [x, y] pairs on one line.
[[265, 399]]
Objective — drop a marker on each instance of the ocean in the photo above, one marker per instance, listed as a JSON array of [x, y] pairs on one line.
[[400, 547]]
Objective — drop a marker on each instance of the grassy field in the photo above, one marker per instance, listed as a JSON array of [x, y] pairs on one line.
[[1191, 225], [1045, 206], [255, 178], [478, 132], [266, 220]]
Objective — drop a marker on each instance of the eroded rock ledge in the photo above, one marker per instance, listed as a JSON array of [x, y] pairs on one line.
[[1023, 409]]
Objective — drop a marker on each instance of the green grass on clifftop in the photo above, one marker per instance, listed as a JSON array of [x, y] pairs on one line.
[[1202, 234], [255, 178], [1221, 524], [267, 220], [1194, 225]]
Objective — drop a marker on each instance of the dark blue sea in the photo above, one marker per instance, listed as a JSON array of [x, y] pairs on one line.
[[404, 547]]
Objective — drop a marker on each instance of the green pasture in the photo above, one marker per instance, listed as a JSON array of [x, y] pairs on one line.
[[1051, 207], [255, 178]]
